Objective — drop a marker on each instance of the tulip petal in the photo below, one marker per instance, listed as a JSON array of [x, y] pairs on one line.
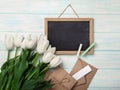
[[47, 57], [9, 42], [42, 45], [23, 46], [31, 42], [55, 62], [51, 49], [18, 40]]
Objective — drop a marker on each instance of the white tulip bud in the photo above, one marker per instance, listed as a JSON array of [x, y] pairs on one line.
[[9, 42], [47, 57], [31, 42], [18, 40], [51, 49], [55, 62], [42, 45]]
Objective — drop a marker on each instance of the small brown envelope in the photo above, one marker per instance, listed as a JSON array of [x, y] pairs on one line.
[[84, 82], [61, 80]]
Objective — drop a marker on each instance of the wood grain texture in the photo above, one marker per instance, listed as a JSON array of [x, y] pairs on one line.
[[56, 6], [101, 59], [35, 22], [27, 16], [105, 88]]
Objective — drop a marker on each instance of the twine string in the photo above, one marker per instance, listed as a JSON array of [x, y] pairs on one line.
[[66, 9]]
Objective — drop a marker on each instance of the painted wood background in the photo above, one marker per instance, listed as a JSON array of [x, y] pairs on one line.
[[27, 16]]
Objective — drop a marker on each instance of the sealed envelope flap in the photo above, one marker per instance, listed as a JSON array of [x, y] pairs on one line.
[[78, 66], [62, 76], [88, 77]]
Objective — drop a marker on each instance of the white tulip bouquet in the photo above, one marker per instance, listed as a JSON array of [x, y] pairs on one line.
[[26, 71]]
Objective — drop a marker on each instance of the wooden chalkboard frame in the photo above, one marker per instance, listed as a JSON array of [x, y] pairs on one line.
[[72, 19]]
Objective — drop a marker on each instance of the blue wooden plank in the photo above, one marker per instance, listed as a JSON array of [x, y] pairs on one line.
[[56, 6], [104, 88], [101, 59], [35, 22]]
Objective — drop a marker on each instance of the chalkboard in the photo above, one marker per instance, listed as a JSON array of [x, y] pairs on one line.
[[66, 34]]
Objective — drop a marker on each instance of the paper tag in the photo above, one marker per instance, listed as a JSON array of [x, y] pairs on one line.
[[82, 72]]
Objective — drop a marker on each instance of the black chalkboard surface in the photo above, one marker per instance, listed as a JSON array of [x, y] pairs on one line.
[[66, 34]]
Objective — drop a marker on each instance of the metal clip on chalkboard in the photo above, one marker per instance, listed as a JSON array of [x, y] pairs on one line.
[[66, 9]]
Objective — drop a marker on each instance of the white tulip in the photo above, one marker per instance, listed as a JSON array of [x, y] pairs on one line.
[[9, 42], [31, 42], [41, 37], [42, 45], [18, 40], [51, 49], [23, 44], [47, 57], [55, 62]]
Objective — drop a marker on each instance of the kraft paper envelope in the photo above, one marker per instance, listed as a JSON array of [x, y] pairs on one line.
[[83, 83], [47, 75], [61, 79], [76, 68]]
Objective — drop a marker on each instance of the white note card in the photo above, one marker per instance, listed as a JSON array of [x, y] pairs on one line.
[[82, 72]]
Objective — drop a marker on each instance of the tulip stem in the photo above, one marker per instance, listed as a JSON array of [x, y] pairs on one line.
[[44, 70], [16, 51], [8, 56], [35, 59], [40, 64]]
